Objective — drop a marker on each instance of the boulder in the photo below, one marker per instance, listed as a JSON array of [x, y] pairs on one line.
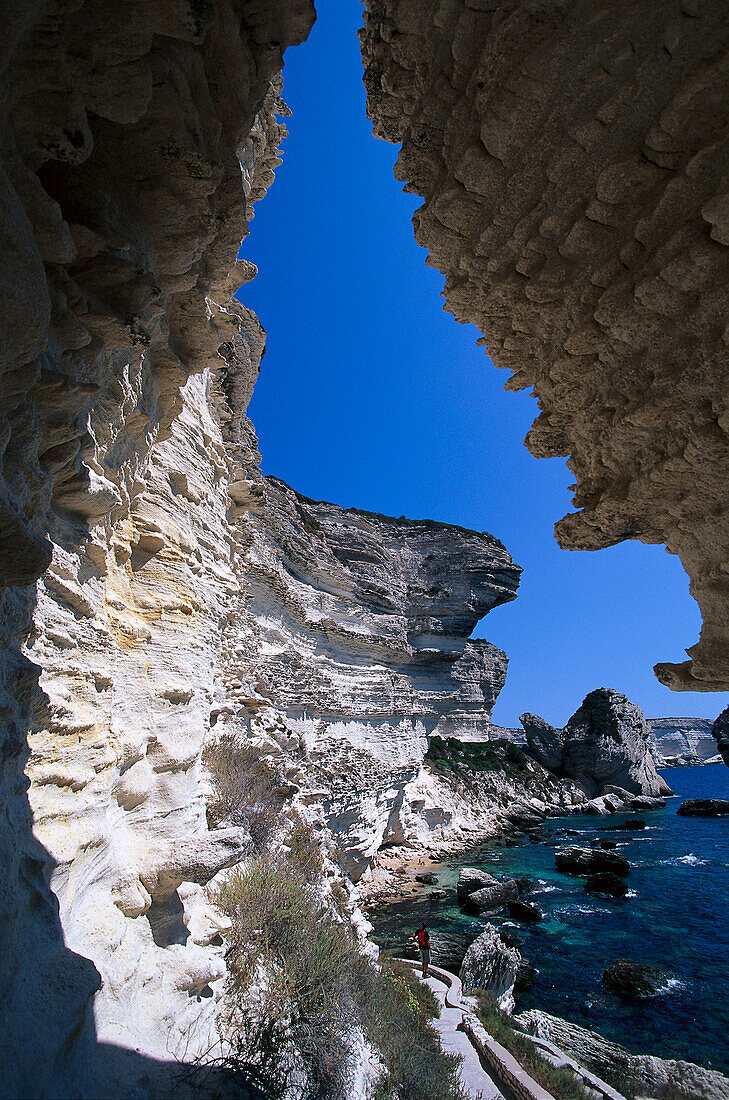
[[605, 744], [605, 804], [472, 879], [607, 845], [524, 910], [634, 981], [646, 802], [632, 824], [704, 807], [489, 899], [428, 878], [524, 884], [588, 861], [607, 883], [492, 966]]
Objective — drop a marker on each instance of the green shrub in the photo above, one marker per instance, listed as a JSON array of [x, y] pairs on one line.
[[301, 994], [248, 789]]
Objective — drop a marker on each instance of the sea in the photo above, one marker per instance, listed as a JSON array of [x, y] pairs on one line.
[[676, 916]]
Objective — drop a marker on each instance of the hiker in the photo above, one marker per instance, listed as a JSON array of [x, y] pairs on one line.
[[424, 944]]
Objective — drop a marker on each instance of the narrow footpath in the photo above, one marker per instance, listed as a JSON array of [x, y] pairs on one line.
[[476, 1080]]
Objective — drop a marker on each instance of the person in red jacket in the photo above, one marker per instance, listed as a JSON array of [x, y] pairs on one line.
[[424, 944]]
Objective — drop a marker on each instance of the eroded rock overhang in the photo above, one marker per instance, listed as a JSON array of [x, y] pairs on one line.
[[573, 159]]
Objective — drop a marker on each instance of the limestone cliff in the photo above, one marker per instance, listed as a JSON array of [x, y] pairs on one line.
[[572, 156], [180, 591], [682, 740], [354, 628], [134, 139], [606, 742]]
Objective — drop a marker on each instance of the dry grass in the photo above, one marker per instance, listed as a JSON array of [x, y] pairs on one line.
[[249, 789], [321, 997]]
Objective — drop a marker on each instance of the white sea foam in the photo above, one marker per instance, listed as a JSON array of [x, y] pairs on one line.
[[690, 860], [693, 861]]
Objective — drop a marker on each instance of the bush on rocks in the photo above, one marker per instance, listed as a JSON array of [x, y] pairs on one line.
[[303, 1000]]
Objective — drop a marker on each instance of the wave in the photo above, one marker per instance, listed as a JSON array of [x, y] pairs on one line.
[[690, 860]]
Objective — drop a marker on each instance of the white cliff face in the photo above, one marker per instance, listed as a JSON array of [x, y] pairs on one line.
[[124, 203], [130, 652], [355, 627], [682, 740]]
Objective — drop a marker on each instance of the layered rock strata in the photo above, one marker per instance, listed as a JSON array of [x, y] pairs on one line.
[[606, 743], [134, 141], [682, 740], [355, 628], [573, 160], [662, 1078]]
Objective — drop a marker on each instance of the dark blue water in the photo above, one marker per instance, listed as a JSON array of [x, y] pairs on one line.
[[676, 917]]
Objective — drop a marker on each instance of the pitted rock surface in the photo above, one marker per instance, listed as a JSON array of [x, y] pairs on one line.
[[573, 159]]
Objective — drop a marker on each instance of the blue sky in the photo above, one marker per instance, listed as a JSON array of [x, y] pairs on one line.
[[370, 395]]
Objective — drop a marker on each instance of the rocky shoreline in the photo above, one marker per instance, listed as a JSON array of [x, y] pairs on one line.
[[493, 960]]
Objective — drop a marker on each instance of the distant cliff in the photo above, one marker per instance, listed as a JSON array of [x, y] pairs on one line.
[[682, 740]]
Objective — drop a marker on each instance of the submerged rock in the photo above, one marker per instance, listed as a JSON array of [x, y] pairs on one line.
[[492, 966], [428, 878], [524, 910], [635, 981], [633, 824], [607, 883], [704, 807]]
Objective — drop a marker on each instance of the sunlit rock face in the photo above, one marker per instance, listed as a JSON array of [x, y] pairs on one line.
[[356, 628], [606, 742], [682, 740], [134, 139], [573, 160]]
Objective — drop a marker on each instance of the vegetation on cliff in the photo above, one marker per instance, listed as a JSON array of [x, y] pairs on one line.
[[307, 1012]]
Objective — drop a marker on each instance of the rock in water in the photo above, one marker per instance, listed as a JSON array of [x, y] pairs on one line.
[[588, 861], [635, 981], [492, 966], [428, 878], [607, 883], [472, 879], [491, 898], [526, 976], [704, 807], [524, 910], [633, 824], [606, 743]]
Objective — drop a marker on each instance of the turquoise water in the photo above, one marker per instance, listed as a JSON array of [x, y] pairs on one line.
[[676, 917]]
